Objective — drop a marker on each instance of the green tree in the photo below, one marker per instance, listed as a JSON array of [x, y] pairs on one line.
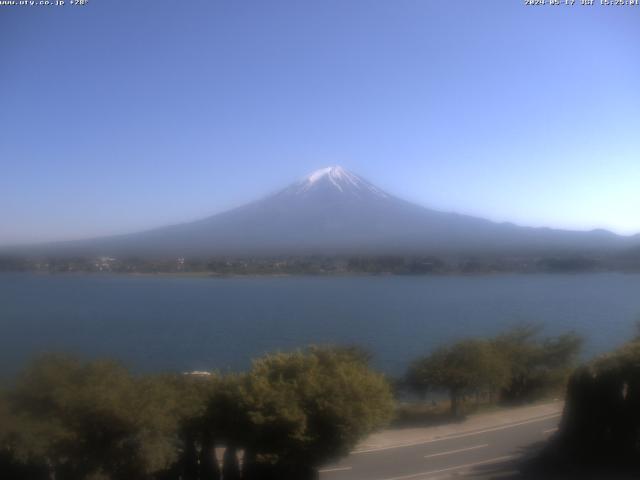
[[95, 420], [537, 366], [170, 413], [76, 420], [295, 411], [466, 367]]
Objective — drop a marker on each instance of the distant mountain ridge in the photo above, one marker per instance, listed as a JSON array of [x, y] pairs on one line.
[[334, 211]]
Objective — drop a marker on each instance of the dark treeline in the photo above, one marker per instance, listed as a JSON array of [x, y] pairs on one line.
[[65, 419], [323, 265], [599, 435]]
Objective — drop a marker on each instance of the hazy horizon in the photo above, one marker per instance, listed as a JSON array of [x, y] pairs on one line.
[[495, 110], [267, 195]]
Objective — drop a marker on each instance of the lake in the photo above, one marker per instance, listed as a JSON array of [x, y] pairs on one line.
[[178, 324]]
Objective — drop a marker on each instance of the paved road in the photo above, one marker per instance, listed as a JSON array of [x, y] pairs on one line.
[[489, 452]]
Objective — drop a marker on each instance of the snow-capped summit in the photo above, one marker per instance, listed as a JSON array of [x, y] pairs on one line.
[[335, 178]]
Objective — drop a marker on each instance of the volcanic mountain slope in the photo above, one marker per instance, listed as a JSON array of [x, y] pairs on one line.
[[334, 211]]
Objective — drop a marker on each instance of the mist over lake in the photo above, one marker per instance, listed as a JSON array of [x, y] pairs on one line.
[[178, 324]]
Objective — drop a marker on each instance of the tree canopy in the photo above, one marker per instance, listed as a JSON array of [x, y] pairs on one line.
[[465, 367], [303, 408], [537, 365], [94, 419], [518, 365], [289, 413]]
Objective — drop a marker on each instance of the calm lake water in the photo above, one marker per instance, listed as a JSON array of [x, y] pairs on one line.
[[168, 323]]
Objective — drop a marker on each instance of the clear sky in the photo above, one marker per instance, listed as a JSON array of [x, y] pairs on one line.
[[124, 115]]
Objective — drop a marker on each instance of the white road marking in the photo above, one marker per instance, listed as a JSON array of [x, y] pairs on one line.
[[551, 430], [337, 469], [423, 475], [461, 435], [451, 452]]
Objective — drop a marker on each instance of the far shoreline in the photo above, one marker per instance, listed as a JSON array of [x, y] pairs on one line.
[[209, 275]]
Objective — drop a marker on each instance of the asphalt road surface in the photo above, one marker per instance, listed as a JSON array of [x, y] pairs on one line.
[[491, 452]]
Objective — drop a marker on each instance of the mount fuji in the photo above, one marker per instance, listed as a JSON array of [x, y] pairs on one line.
[[334, 211]]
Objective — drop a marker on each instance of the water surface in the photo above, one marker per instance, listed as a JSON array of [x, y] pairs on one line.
[[170, 323]]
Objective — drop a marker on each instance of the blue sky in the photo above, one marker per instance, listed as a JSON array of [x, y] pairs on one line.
[[125, 115]]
